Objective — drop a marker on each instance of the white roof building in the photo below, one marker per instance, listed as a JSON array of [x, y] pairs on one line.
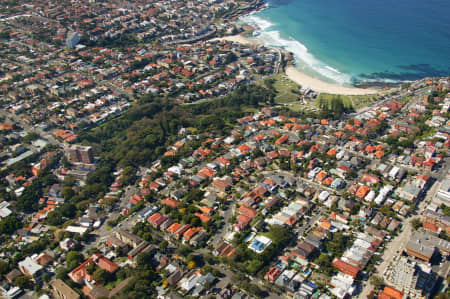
[[29, 267]]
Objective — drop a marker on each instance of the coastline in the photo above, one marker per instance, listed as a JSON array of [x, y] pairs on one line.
[[301, 78], [239, 38], [318, 85]]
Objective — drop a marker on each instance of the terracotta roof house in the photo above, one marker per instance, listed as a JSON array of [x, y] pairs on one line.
[[346, 268], [170, 202], [174, 227], [249, 212], [242, 223], [191, 232], [221, 185], [80, 273], [362, 191], [390, 293], [282, 140], [180, 232], [203, 218]]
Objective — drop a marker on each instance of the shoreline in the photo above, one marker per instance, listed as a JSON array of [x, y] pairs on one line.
[[301, 78], [320, 86], [241, 39]]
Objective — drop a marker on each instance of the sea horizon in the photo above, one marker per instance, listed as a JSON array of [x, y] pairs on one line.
[[356, 51]]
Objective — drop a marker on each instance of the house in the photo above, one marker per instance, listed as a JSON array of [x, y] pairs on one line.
[[187, 236], [362, 191], [80, 273], [180, 232], [127, 237], [242, 222], [390, 293], [436, 221], [223, 249], [251, 213], [416, 247], [12, 275], [175, 276], [44, 259], [29, 267], [272, 274], [100, 292], [62, 290], [198, 238], [304, 250], [370, 179], [221, 185], [68, 244], [346, 268], [144, 246], [282, 140], [170, 202], [410, 192]]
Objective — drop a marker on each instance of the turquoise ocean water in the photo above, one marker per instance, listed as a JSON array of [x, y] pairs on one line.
[[355, 41]]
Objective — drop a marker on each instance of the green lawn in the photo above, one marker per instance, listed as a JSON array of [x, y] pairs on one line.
[[357, 102], [287, 90], [288, 94]]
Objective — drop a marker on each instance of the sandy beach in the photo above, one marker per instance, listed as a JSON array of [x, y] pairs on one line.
[[324, 87], [239, 38], [301, 78]]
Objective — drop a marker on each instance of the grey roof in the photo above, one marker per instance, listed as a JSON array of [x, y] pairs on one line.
[[419, 243], [411, 189]]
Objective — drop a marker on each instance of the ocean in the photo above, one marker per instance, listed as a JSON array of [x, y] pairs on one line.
[[355, 41]]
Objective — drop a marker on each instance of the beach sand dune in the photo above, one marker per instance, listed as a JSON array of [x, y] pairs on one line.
[[301, 78]]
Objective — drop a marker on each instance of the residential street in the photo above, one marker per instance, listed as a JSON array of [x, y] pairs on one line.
[[397, 245]]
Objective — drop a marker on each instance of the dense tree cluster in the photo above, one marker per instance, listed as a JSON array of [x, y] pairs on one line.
[[141, 135], [9, 225]]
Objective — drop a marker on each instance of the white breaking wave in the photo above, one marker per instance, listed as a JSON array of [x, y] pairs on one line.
[[333, 69], [300, 51], [260, 23]]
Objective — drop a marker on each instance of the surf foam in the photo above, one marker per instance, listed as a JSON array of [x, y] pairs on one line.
[[300, 51]]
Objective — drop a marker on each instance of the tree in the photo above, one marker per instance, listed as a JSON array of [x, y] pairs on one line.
[[55, 218], [91, 268], [446, 210], [68, 210], [163, 245], [4, 268], [254, 266], [73, 259], [191, 264], [377, 281], [30, 137], [416, 223], [209, 258], [144, 260], [9, 225], [184, 250], [23, 282], [46, 277], [324, 262], [386, 210], [61, 273], [101, 276], [67, 192]]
